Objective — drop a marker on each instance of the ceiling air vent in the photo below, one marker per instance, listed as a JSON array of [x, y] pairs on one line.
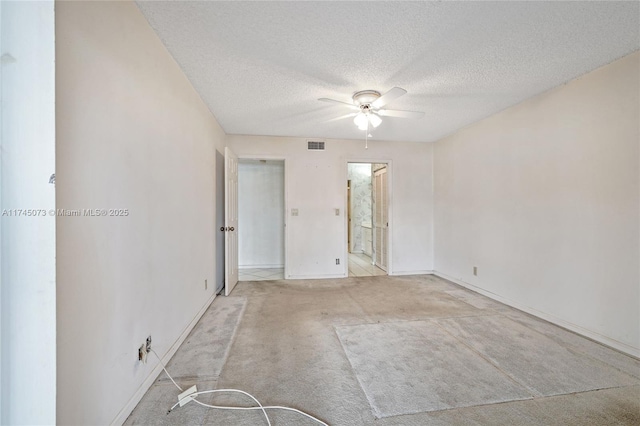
[[315, 145]]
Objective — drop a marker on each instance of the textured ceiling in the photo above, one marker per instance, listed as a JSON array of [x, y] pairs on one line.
[[261, 66]]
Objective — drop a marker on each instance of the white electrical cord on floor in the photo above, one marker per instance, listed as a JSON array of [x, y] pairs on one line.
[[165, 370], [191, 397]]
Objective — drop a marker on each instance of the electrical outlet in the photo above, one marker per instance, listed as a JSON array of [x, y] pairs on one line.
[[337, 261], [205, 284], [142, 353], [144, 349], [475, 271]]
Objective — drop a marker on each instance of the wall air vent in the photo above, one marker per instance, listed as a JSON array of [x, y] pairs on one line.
[[315, 145]]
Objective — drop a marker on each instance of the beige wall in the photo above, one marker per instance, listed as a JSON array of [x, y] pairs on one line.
[[316, 185], [131, 134], [544, 199]]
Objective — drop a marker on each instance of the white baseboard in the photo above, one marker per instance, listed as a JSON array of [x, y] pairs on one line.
[[612, 343], [424, 272], [144, 387]]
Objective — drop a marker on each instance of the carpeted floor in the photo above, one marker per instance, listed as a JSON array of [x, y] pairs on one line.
[[383, 350]]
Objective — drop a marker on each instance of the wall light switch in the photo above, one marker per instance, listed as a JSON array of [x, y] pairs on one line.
[[337, 212], [294, 212]]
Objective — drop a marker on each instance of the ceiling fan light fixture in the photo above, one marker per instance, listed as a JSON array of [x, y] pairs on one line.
[[361, 121], [375, 120]]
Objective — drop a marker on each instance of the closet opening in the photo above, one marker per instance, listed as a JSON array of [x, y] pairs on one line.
[[261, 219]]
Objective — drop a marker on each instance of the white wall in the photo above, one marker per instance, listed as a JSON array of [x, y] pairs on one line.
[[28, 269], [132, 134], [544, 199], [260, 214], [316, 185]]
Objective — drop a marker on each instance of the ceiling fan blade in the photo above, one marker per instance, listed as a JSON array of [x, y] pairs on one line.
[[342, 117], [400, 114], [352, 106], [388, 97]]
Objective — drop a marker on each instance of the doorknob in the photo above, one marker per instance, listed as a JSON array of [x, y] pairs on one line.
[[231, 229], [222, 228]]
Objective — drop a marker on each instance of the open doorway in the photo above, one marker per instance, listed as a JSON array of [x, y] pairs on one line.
[[261, 220], [367, 219]]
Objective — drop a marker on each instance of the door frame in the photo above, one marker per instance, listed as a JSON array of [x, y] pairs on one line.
[[345, 176], [374, 223], [286, 200]]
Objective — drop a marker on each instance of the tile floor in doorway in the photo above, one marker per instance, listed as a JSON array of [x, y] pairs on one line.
[[360, 266], [260, 274]]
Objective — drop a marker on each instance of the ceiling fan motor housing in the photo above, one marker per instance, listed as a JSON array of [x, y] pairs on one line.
[[365, 97]]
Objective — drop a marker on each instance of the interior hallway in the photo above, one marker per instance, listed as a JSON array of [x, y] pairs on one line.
[[411, 350]]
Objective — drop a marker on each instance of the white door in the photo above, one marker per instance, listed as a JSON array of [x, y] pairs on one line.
[[230, 221], [219, 222], [380, 218]]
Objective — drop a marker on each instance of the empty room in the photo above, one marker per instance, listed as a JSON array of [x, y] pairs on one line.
[[320, 213]]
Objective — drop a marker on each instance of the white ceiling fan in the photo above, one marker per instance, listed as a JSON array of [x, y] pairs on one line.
[[369, 103]]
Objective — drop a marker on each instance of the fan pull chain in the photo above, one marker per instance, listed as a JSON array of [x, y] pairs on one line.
[[366, 137]]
